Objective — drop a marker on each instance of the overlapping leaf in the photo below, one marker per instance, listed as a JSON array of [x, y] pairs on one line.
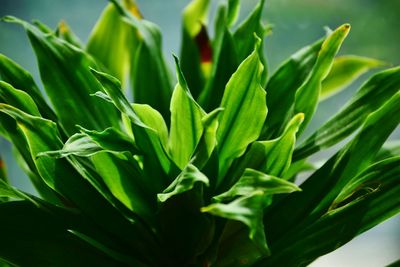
[[371, 96], [65, 74], [244, 112]]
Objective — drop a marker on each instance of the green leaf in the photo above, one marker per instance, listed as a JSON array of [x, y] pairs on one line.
[[281, 88], [194, 15], [153, 119], [64, 32], [124, 178], [17, 98], [148, 65], [111, 33], [208, 140], [272, 157], [371, 96], [369, 199], [158, 166], [253, 180], [185, 181], [7, 191], [233, 12], [326, 183], [389, 149], [89, 143], [19, 78], [371, 179], [307, 95], [21, 149], [244, 105], [243, 37], [345, 70], [186, 122], [247, 210], [58, 174], [65, 74], [250, 195]]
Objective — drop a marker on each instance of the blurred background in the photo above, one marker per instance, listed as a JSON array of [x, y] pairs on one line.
[[375, 33]]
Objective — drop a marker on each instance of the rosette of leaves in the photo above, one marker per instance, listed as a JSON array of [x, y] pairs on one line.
[[200, 169]]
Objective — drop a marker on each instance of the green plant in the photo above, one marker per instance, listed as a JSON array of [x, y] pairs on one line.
[[190, 176]]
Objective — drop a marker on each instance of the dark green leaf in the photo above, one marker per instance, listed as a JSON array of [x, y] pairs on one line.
[[32, 232], [247, 210], [281, 88], [244, 41], [327, 182], [366, 201]]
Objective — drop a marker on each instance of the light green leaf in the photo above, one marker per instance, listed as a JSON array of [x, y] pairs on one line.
[[111, 33], [371, 96], [253, 180], [195, 15], [307, 95], [278, 152], [153, 119], [244, 112], [186, 122], [345, 70], [185, 181], [281, 89], [65, 74]]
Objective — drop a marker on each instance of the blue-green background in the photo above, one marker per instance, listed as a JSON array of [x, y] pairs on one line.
[[375, 33]]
